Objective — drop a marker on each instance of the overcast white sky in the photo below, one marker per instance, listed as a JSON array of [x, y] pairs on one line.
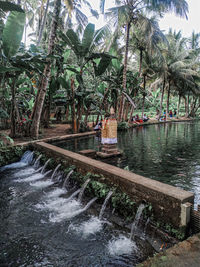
[[169, 20]]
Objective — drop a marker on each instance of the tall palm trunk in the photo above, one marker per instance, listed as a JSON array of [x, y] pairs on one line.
[[73, 109], [43, 24], [46, 74], [144, 94], [13, 130], [178, 106], [168, 95], [122, 100], [162, 95], [140, 66]]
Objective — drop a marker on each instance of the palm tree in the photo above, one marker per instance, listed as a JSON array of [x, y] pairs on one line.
[[37, 110], [129, 12]]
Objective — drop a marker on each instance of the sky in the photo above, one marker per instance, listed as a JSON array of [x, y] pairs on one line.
[[169, 21]]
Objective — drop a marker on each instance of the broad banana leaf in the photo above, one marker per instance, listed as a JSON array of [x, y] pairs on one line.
[[73, 41], [7, 6], [12, 33], [88, 37], [8, 69]]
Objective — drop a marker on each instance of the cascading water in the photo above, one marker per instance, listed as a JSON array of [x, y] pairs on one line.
[[53, 174], [47, 172], [104, 204], [83, 189], [73, 195], [145, 227], [43, 169], [67, 179], [37, 215], [137, 219], [36, 164], [26, 159]]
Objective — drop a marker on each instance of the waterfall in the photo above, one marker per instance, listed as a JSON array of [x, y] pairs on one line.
[[83, 189], [39, 169], [27, 157], [145, 227], [37, 161], [104, 204], [53, 174], [73, 195], [136, 220], [45, 165], [89, 204], [67, 178], [46, 173], [77, 212]]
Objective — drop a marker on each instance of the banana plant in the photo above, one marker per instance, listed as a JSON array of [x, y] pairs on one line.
[[84, 49]]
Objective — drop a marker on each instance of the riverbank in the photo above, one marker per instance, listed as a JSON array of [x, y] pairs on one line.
[[58, 130]]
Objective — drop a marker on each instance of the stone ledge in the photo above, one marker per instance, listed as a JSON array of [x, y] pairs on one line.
[[166, 199]]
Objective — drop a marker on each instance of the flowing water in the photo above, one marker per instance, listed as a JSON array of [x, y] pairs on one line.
[[169, 153], [40, 226]]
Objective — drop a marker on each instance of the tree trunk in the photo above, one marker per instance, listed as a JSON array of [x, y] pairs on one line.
[[162, 95], [126, 112], [86, 116], [131, 113], [186, 106], [73, 109], [67, 113], [178, 106], [168, 95], [102, 104], [46, 74], [13, 113], [122, 100], [43, 24], [144, 94], [79, 114], [140, 66]]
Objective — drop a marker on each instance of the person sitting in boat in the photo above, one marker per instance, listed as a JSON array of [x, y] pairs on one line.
[[145, 118]]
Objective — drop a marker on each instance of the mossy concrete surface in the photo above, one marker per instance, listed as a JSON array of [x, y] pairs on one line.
[[184, 254]]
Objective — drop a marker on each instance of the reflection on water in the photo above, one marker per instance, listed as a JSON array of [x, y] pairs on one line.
[[169, 153]]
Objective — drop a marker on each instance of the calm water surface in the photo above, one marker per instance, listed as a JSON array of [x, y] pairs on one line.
[[169, 153]]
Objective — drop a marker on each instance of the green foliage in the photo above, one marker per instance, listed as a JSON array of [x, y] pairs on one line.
[[122, 125], [3, 114], [9, 154], [5, 140], [13, 32], [7, 6]]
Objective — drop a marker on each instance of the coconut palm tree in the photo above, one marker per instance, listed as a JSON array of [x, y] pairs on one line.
[[128, 12], [37, 110]]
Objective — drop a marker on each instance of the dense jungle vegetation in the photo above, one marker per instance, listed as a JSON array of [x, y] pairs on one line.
[[53, 60]]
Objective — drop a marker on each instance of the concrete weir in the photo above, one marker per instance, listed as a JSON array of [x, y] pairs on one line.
[[170, 204]]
